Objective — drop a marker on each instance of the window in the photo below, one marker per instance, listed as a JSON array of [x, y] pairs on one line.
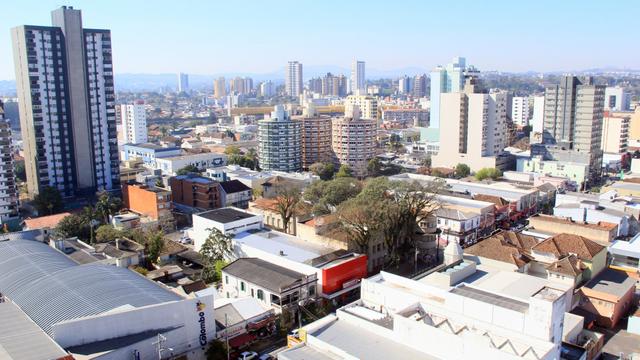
[[312, 290], [260, 294], [226, 279], [242, 287], [252, 294]]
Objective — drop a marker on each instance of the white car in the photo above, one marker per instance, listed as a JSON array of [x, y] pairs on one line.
[[248, 355]]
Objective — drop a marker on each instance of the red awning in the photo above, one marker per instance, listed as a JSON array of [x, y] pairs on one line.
[[241, 340]]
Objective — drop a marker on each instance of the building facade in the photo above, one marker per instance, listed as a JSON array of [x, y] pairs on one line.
[[293, 79], [617, 99], [8, 186], [149, 201], [316, 139], [280, 142], [67, 105], [195, 191], [353, 141], [183, 82], [367, 106], [615, 134], [219, 88], [358, 82], [520, 110], [444, 80], [133, 119]]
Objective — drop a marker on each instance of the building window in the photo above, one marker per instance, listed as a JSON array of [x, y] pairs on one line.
[[252, 294], [242, 287], [226, 279], [312, 290], [260, 294]]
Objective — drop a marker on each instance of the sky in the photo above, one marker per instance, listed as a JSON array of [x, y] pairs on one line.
[[258, 36]]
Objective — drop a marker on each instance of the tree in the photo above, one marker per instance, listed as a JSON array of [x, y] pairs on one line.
[[462, 170], [159, 183], [426, 162], [286, 201], [48, 201], [216, 248], [107, 206], [153, 245], [323, 170], [20, 170], [344, 171], [107, 233], [188, 169], [327, 195], [73, 226], [486, 173], [232, 150], [360, 219], [374, 167]]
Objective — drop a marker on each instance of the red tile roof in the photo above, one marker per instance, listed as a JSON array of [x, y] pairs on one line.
[[565, 244], [45, 222]]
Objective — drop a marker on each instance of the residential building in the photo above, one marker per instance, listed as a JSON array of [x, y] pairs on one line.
[[183, 82], [171, 164], [617, 98], [407, 117], [445, 80], [48, 222], [603, 233], [236, 86], [195, 192], [248, 85], [404, 85], [537, 120], [576, 172], [615, 134], [420, 85], [573, 119], [462, 220], [219, 88], [280, 142], [267, 89], [124, 305], [331, 85], [267, 207], [358, 80], [367, 105], [153, 202], [148, 152], [235, 193], [609, 296], [275, 286], [475, 126], [133, 119], [293, 79], [625, 256], [396, 315], [316, 138], [65, 86], [354, 141], [520, 110], [592, 213], [8, 185]]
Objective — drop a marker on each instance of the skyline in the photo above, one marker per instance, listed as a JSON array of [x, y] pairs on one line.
[[335, 40]]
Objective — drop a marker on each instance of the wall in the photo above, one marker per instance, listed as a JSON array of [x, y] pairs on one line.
[[602, 235], [141, 200], [199, 232], [335, 276]]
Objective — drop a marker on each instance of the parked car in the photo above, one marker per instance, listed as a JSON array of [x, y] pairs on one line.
[[248, 355]]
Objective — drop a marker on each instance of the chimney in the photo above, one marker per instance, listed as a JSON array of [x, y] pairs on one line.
[[282, 253]]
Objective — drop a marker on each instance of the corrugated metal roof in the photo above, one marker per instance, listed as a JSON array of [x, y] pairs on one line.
[[51, 288]]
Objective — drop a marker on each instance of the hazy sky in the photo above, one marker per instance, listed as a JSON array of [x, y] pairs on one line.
[[207, 36]]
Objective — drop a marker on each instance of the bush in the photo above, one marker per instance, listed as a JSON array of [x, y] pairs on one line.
[[488, 173]]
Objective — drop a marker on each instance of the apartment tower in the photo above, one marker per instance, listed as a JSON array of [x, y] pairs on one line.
[[133, 121], [279, 142], [293, 79], [8, 187]]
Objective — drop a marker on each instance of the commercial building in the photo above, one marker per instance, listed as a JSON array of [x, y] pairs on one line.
[[316, 138], [123, 314], [183, 82], [241, 320], [219, 88], [149, 201], [354, 141], [293, 84], [576, 172], [407, 117], [615, 134], [171, 164], [609, 296], [475, 128], [133, 119], [625, 256], [602, 233], [573, 116], [195, 192], [367, 105], [520, 110], [8, 185], [67, 105], [419, 86], [280, 142], [148, 152], [617, 98], [358, 80]]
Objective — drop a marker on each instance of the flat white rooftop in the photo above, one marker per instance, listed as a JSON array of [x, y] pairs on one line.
[[278, 243], [626, 248]]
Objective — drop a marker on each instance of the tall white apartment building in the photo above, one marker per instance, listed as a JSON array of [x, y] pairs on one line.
[[446, 79], [616, 99], [537, 120], [280, 142], [64, 80], [8, 187], [267, 89], [183, 82], [473, 129], [293, 79], [358, 82], [404, 85], [133, 120], [367, 106], [520, 110]]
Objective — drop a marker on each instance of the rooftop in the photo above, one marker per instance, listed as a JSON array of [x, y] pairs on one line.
[[42, 222], [505, 246], [152, 146], [602, 225], [629, 248], [281, 244], [612, 282], [565, 244], [264, 274], [234, 186], [226, 215], [491, 298]]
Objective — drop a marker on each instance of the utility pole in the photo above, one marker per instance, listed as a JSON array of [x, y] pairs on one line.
[[226, 334], [160, 345]]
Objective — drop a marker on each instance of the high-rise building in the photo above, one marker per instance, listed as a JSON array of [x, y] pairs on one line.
[[367, 106], [404, 85], [358, 81], [537, 120], [219, 88], [279, 142], [473, 128], [316, 136], [133, 120], [248, 85], [293, 79], [574, 111], [520, 110], [615, 134], [9, 192], [315, 85], [445, 80], [64, 78], [420, 85], [237, 86], [353, 141], [267, 89], [616, 99], [183, 82]]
